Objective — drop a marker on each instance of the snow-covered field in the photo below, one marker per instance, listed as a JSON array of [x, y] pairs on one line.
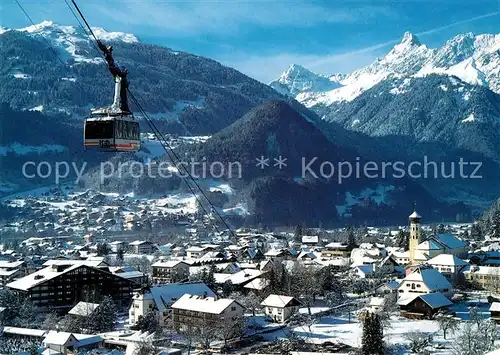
[[340, 330]]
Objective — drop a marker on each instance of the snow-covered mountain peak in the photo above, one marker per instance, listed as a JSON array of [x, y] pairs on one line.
[[475, 59], [102, 34], [73, 42], [294, 70], [410, 39], [51, 29], [37, 28], [297, 79]]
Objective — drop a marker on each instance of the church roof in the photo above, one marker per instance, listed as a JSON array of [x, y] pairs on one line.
[[415, 215]]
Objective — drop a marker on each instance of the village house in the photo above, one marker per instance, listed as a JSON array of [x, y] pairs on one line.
[[170, 271], [336, 250], [385, 266], [401, 257], [423, 306], [196, 252], [142, 247], [117, 245], [424, 279], [310, 240], [192, 311], [277, 254], [486, 277], [160, 298], [65, 343], [450, 266], [280, 308]]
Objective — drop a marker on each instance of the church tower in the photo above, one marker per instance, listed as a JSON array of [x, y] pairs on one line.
[[414, 234]]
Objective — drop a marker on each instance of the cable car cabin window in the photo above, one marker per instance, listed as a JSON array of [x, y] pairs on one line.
[[126, 130], [99, 130]]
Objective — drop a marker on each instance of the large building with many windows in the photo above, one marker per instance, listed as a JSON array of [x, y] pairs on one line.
[[62, 286]]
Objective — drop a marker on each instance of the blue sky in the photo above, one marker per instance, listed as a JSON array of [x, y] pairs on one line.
[[262, 38]]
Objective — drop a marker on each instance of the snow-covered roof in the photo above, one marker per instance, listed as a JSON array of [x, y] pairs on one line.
[[25, 331], [203, 304], [83, 309], [377, 301], [257, 284], [429, 244], [434, 300], [38, 277], [139, 242], [239, 277], [196, 249], [415, 215], [278, 301], [274, 252], [130, 274], [168, 264], [447, 260], [5, 264], [310, 239], [449, 240], [167, 294], [336, 245], [89, 262], [495, 307], [58, 338], [8, 272], [432, 278]]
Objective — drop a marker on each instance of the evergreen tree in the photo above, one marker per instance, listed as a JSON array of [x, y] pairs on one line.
[[103, 249], [119, 256], [208, 278], [440, 229], [373, 335], [351, 238], [403, 240], [148, 323], [495, 225], [104, 319], [227, 288], [475, 232], [297, 235]]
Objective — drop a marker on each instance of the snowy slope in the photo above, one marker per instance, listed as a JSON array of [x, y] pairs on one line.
[[473, 59], [70, 39], [297, 79]]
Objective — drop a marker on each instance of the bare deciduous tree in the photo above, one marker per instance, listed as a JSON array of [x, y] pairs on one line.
[[419, 342], [447, 323]]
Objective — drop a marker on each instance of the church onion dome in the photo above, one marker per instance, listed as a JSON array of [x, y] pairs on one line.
[[415, 215]]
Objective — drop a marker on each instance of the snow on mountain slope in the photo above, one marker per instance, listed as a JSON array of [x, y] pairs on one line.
[[297, 79], [73, 41], [466, 71], [473, 59]]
